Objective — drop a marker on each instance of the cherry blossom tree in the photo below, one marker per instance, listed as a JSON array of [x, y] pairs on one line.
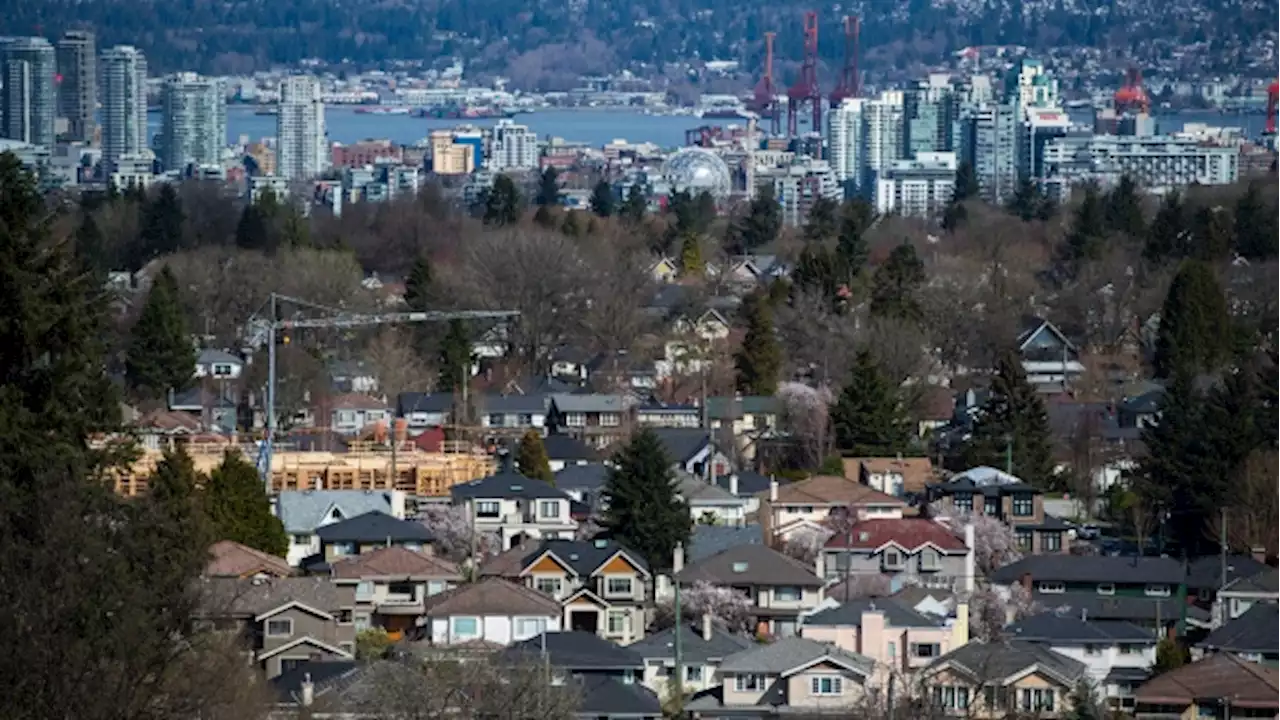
[[805, 414], [456, 538], [805, 545], [990, 611], [725, 605], [995, 544]]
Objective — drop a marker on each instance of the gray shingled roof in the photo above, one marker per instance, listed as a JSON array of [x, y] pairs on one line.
[[584, 556], [707, 540], [375, 527], [1206, 572], [1256, 631], [530, 404], [1092, 569], [302, 511], [563, 447], [1117, 607], [698, 491], [1264, 583], [681, 444], [749, 565], [589, 403], [222, 597], [577, 650], [985, 661], [607, 696], [1054, 628], [693, 647], [787, 654], [896, 614], [590, 477], [507, 485]]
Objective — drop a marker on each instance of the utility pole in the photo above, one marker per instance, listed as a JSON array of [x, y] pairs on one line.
[[1222, 545], [679, 668], [1008, 455]]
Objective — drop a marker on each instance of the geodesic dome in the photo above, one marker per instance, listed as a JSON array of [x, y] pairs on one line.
[[697, 170]]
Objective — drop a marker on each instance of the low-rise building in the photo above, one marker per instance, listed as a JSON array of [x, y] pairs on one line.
[[920, 550], [781, 590], [366, 534], [303, 512], [896, 637], [1117, 655], [807, 505], [703, 646], [988, 491], [493, 610], [1219, 686], [1254, 636], [393, 585], [993, 680], [514, 507]]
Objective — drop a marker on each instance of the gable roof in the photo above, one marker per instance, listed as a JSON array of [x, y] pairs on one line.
[[1217, 676], [749, 565], [492, 596], [584, 557], [302, 511], [1092, 568], [791, 654], [896, 614], [830, 490], [408, 403], [588, 477], [210, 356], [1032, 326], [589, 403], [1256, 631], [231, 559], [1206, 572], [695, 490], [563, 447], [916, 473], [682, 444], [1071, 630], [996, 661], [508, 484], [373, 527], [394, 562], [1266, 582], [707, 540], [304, 640], [909, 534], [535, 404], [234, 597], [577, 650], [509, 563], [607, 696], [693, 646]]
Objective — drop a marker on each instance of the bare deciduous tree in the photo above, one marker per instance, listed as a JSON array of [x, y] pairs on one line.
[[1253, 520], [617, 286], [399, 368]]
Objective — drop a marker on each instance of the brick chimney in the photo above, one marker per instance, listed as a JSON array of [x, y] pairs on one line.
[[871, 635]]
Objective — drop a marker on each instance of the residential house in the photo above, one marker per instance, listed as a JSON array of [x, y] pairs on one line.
[[352, 376], [1206, 576], [563, 451], [166, 429], [747, 418], [691, 450], [664, 270], [703, 646], [352, 413], [622, 372], [1048, 357], [933, 411], [780, 589], [1143, 410], [708, 540], [218, 365], [229, 559], [425, 410], [597, 420], [584, 483], [215, 408], [284, 621], [1254, 636], [393, 585], [368, 533], [915, 551], [606, 674], [668, 416], [513, 507], [512, 415], [807, 505], [1147, 591], [1219, 686], [998, 494], [1117, 655], [492, 610], [601, 586], [805, 677], [693, 334], [1241, 594], [748, 485], [302, 512], [991, 680], [750, 271], [897, 476], [895, 636], [710, 504]]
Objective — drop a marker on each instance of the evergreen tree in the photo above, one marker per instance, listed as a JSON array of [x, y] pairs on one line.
[[966, 188], [455, 357], [1026, 201], [822, 223], [856, 217], [869, 416], [91, 247], [759, 359], [1170, 655], [1123, 212], [894, 286], [544, 217], [253, 232], [1013, 421], [1212, 232], [174, 489], [294, 229], [1084, 242], [161, 356], [691, 255], [1170, 477], [531, 458], [645, 512], [502, 202], [419, 285], [239, 509], [762, 223], [1168, 236], [1256, 227], [602, 200], [636, 206], [162, 219], [1195, 327], [549, 188]]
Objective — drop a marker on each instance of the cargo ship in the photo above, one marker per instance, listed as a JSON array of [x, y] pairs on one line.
[[381, 110], [465, 112]]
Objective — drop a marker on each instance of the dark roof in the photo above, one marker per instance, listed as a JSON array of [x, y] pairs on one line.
[[896, 614], [1092, 568], [1065, 629], [985, 481], [589, 477], [1266, 582], [508, 484], [1118, 607], [374, 527], [236, 597], [1221, 675], [1146, 403], [606, 696], [985, 661], [749, 565], [1256, 631], [577, 650], [531, 404], [707, 540], [411, 402], [288, 685], [584, 556], [1050, 522], [681, 444], [693, 646], [749, 483], [1206, 572], [563, 447]]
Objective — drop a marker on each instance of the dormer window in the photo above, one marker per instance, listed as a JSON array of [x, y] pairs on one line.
[[335, 514], [892, 559], [1052, 588], [929, 559], [739, 567], [1157, 591]]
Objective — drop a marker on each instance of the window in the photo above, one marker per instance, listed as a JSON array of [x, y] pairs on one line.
[[618, 587], [786, 593], [1157, 591], [618, 622], [575, 420], [364, 591], [530, 627], [435, 587], [1092, 650], [693, 673], [345, 616], [929, 559], [465, 627], [1023, 538], [962, 502], [610, 420], [341, 549], [488, 509], [748, 683], [1051, 542], [989, 698], [893, 650], [892, 559], [280, 628], [1037, 699], [346, 417], [497, 420], [362, 621], [1106, 589], [222, 370], [827, 685], [951, 697], [401, 588], [925, 650], [991, 507], [1023, 506], [548, 585], [549, 509], [1055, 588], [1127, 650], [301, 539], [525, 419]]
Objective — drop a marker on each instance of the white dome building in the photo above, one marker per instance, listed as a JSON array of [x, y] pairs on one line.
[[698, 170]]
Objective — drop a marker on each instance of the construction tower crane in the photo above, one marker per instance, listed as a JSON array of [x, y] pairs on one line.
[[1273, 97], [262, 330], [805, 91]]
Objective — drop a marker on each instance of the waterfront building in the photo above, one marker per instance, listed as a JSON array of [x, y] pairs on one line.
[[302, 150], [77, 58], [919, 187], [30, 92], [124, 106], [513, 147], [449, 157], [194, 129], [1157, 163]]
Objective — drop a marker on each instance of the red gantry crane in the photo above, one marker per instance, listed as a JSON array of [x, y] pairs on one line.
[[1131, 97], [806, 90], [849, 85], [1273, 99], [764, 100]]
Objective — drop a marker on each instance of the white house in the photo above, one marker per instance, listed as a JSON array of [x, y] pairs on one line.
[[1117, 655], [302, 512], [493, 610], [351, 413], [515, 507], [711, 504], [219, 365]]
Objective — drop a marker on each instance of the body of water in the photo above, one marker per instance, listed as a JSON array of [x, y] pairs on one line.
[[594, 127]]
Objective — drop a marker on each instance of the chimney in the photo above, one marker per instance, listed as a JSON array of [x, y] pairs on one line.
[[1084, 615], [733, 484], [308, 691], [400, 431], [871, 636], [677, 561], [773, 489], [1026, 581], [960, 628], [1259, 554], [706, 626], [970, 568]]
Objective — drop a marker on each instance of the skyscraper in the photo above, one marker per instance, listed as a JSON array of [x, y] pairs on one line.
[[844, 141], [30, 91], [882, 132], [78, 89], [301, 146], [124, 104], [991, 148], [929, 110], [195, 122]]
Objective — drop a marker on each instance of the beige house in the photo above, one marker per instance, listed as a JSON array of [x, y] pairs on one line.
[[900, 640], [786, 510], [994, 680], [802, 675], [780, 589], [392, 585]]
